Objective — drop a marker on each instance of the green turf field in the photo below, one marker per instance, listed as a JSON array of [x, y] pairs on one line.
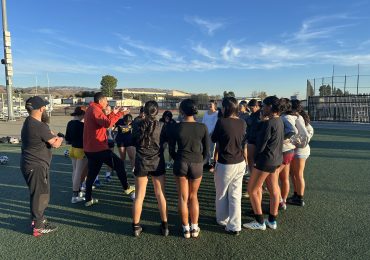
[[333, 224]]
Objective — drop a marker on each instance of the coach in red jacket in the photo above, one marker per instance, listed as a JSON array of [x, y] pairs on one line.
[[95, 143]]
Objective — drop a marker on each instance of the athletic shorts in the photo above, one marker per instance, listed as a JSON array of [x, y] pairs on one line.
[[299, 156], [77, 153], [190, 170], [288, 157], [266, 168], [124, 140]]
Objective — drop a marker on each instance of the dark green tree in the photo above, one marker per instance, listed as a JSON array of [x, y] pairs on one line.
[[108, 83]]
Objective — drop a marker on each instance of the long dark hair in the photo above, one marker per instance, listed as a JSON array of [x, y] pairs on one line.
[[274, 102], [149, 123], [297, 107], [286, 106], [230, 105]]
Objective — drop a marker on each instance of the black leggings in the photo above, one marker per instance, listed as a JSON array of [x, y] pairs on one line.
[[95, 162]]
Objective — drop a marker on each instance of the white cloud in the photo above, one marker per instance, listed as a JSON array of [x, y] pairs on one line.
[[322, 27], [208, 26], [229, 52], [159, 51], [203, 51]]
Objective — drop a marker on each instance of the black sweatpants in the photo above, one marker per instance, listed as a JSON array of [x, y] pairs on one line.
[[95, 162], [37, 179]]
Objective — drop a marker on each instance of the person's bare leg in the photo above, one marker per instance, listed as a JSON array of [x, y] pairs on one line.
[[284, 181], [272, 182], [193, 200], [255, 189], [183, 196], [140, 190], [158, 183], [299, 176]]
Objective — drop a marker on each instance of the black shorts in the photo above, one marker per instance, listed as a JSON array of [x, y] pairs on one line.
[[142, 173], [124, 140], [190, 170], [266, 168]]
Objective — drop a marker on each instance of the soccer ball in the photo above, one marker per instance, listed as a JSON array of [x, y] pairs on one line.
[[13, 140], [4, 159], [66, 153]]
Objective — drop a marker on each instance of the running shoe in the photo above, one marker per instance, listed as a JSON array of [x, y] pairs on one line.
[[46, 229], [129, 190], [195, 232], [97, 183], [164, 230], [77, 199], [295, 201], [91, 202], [132, 196], [272, 225], [255, 225], [282, 206], [186, 233], [246, 194], [137, 230], [232, 232], [108, 177]]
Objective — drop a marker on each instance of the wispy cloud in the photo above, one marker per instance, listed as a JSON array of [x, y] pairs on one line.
[[159, 51], [205, 25], [203, 51], [322, 27], [229, 52]]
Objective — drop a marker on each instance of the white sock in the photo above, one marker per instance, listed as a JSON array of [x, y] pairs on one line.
[[186, 228], [107, 174], [194, 226]]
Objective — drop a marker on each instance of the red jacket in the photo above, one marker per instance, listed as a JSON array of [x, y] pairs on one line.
[[95, 128]]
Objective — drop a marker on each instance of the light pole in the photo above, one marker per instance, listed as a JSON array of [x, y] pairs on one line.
[[8, 61]]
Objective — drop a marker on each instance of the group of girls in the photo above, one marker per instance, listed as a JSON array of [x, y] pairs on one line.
[[271, 143], [269, 140]]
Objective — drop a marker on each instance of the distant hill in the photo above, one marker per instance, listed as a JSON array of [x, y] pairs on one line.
[[57, 91]]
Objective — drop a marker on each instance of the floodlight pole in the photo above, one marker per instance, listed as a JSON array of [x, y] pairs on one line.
[[7, 61]]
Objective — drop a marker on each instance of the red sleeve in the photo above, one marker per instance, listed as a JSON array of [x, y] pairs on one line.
[[105, 121]]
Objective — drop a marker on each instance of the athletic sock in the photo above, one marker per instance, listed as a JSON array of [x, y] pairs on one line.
[[272, 218], [259, 218], [186, 227], [295, 194], [194, 226], [75, 194], [135, 226], [165, 224]]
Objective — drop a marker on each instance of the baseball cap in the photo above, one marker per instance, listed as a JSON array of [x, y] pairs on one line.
[[36, 102]]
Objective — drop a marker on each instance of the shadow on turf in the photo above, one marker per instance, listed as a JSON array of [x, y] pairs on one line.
[[113, 213]]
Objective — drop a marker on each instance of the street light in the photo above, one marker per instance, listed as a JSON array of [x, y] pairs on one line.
[[7, 61]]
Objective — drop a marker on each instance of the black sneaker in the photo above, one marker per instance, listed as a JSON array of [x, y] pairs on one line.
[[295, 201], [234, 233], [164, 229], [45, 229], [137, 230]]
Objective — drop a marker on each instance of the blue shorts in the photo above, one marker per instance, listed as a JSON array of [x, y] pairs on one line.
[[298, 156]]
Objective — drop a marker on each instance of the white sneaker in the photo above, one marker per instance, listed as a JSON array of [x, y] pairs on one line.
[[255, 225], [272, 225], [81, 194], [77, 199], [195, 232]]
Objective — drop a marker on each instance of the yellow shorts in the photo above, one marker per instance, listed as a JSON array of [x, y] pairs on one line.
[[76, 153]]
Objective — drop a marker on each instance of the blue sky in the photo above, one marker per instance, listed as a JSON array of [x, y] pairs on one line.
[[197, 46]]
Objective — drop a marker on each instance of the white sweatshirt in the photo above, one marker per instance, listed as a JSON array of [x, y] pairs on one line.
[[210, 121]]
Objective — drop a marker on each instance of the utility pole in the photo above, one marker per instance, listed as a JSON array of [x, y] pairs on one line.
[[8, 62]]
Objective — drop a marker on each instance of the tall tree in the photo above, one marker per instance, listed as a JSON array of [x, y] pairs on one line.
[[262, 95], [325, 90], [108, 83]]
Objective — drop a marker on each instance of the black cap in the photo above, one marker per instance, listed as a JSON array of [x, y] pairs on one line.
[[36, 102], [78, 112]]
